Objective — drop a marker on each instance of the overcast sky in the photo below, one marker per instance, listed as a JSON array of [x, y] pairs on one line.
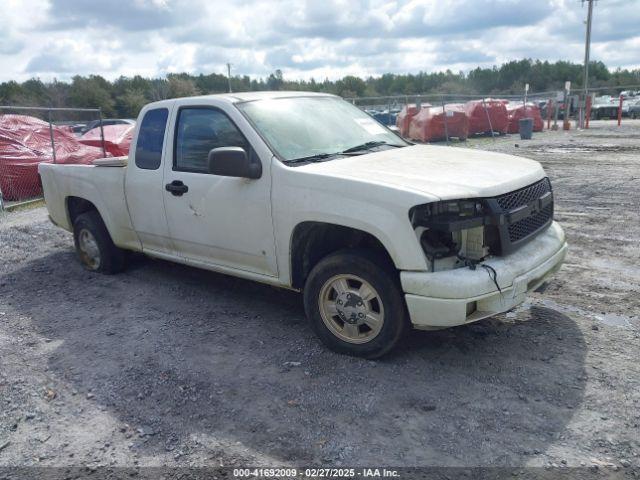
[[325, 38]]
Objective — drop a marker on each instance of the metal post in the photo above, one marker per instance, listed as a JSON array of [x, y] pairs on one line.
[[1, 200], [488, 119], [55, 109], [549, 104], [565, 121], [587, 46], [104, 149], [53, 144], [620, 111], [229, 76], [444, 114]]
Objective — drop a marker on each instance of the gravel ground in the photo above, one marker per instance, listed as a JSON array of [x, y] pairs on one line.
[[169, 365]]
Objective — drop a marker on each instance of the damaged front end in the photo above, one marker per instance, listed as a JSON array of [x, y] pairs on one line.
[[456, 233]]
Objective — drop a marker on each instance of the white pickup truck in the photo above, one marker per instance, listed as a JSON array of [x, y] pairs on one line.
[[307, 192]]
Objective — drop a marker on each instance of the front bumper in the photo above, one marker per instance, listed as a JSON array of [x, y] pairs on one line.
[[455, 297]]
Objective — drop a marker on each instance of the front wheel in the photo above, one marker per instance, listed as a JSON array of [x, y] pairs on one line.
[[355, 304]]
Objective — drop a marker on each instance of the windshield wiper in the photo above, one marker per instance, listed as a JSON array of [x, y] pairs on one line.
[[318, 157], [370, 145]]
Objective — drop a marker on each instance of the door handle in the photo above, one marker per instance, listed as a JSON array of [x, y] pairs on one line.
[[177, 188]]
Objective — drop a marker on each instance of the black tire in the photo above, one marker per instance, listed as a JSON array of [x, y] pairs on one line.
[[383, 277], [111, 258]]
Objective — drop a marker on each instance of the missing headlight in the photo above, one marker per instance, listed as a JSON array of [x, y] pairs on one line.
[[453, 228], [438, 244]]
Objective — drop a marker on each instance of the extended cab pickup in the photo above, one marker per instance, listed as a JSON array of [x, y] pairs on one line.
[[307, 192]]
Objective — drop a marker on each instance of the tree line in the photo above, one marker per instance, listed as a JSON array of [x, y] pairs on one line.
[[125, 96]]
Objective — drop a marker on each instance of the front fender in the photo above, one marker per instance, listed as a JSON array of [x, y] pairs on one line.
[[380, 211]]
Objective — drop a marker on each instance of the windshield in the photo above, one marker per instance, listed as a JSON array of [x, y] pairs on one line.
[[301, 127]]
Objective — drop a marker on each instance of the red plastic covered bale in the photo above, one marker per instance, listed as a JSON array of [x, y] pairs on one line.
[[25, 142], [428, 125], [403, 120], [487, 117], [518, 111], [117, 139]]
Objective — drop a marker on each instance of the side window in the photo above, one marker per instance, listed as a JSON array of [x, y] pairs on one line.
[[150, 138], [198, 131]]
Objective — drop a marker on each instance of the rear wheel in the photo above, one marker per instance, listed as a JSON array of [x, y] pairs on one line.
[[94, 245], [355, 304]]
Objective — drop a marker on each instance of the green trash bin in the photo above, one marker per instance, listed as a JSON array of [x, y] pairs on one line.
[[526, 128]]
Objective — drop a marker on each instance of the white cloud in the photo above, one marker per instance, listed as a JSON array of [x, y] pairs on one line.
[[328, 38], [69, 56]]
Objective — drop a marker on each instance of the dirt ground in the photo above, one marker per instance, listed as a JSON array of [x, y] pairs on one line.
[[169, 365]]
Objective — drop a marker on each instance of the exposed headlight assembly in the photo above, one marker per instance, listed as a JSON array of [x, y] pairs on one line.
[[446, 226]]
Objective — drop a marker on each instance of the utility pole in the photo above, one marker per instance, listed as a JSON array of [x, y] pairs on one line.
[[229, 75], [587, 46]]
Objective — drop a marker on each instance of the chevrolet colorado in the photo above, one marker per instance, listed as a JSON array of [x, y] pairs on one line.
[[307, 192]]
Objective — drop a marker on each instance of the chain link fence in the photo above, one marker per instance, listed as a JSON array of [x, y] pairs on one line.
[[32, 135], [557, 109]]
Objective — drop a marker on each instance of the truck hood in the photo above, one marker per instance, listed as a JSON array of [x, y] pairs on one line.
[[444, 172]]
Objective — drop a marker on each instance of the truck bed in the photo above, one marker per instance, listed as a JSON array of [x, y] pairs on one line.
[[102, 184]]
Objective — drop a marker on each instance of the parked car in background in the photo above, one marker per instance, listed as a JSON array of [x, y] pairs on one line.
[[78, 128], [543, 105], [630, 94], [107, 121], [385, 116], [307, 192], [605, 106], [634, 110]]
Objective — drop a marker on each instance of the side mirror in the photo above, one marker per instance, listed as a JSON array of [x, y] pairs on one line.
[[233, 162]]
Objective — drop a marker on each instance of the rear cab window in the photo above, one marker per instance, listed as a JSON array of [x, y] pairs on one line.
[[151, 138]]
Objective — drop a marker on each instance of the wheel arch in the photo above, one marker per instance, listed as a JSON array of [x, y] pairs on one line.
[[76, 206], [311, 241]]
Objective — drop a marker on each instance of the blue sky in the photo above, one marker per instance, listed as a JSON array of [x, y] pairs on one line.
[[326, 38]]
